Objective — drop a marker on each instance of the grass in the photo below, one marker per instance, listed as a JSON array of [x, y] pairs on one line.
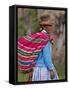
[[60, 70], [22, 77], [59, 67]]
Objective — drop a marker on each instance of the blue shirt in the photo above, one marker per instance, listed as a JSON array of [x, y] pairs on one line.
[[45, 57]]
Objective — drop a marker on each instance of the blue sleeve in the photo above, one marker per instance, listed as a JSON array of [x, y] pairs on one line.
[[47, 56]]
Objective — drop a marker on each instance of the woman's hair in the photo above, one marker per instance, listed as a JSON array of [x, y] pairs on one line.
[[44, 18]]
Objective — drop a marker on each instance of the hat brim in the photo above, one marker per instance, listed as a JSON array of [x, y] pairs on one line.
[[46, 23]]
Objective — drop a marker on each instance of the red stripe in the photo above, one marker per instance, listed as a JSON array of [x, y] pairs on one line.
[[26, 42], [26, 58], [24, 48], [41, 35], [26, 67], [32, 46]]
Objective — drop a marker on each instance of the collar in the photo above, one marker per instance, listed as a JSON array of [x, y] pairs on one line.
[[44, 31]]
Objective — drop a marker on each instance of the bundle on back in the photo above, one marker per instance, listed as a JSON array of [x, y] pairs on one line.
[[29, 48]]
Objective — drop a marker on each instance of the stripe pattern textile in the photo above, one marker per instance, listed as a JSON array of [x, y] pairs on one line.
[[29, 48]]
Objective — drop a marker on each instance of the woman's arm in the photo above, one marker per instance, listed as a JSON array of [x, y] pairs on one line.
[[47, 56]]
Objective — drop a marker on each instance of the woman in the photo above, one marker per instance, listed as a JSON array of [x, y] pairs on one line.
[[44, 69]]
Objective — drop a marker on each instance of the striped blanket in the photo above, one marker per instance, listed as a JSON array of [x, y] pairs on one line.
[[29, 48]]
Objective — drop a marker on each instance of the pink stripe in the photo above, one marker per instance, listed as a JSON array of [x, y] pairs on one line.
[[32, 45], [24, 48], [27, 60], [41, 35], [26, 67], [26, 42]]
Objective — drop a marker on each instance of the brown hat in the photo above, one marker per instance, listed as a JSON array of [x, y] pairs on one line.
[[46, 19]]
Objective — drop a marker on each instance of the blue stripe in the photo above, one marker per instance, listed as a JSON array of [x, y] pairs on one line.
[[24, 63]]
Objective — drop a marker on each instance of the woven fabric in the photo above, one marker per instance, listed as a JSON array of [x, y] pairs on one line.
[[29, 48]]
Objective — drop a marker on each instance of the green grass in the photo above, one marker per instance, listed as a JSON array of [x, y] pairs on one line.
[[60, 70], [59, 67], [22, 77]]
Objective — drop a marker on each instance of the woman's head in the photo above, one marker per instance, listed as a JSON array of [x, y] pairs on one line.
[[46, 23]]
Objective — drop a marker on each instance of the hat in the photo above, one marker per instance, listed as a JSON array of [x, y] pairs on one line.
[[46, 19]]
